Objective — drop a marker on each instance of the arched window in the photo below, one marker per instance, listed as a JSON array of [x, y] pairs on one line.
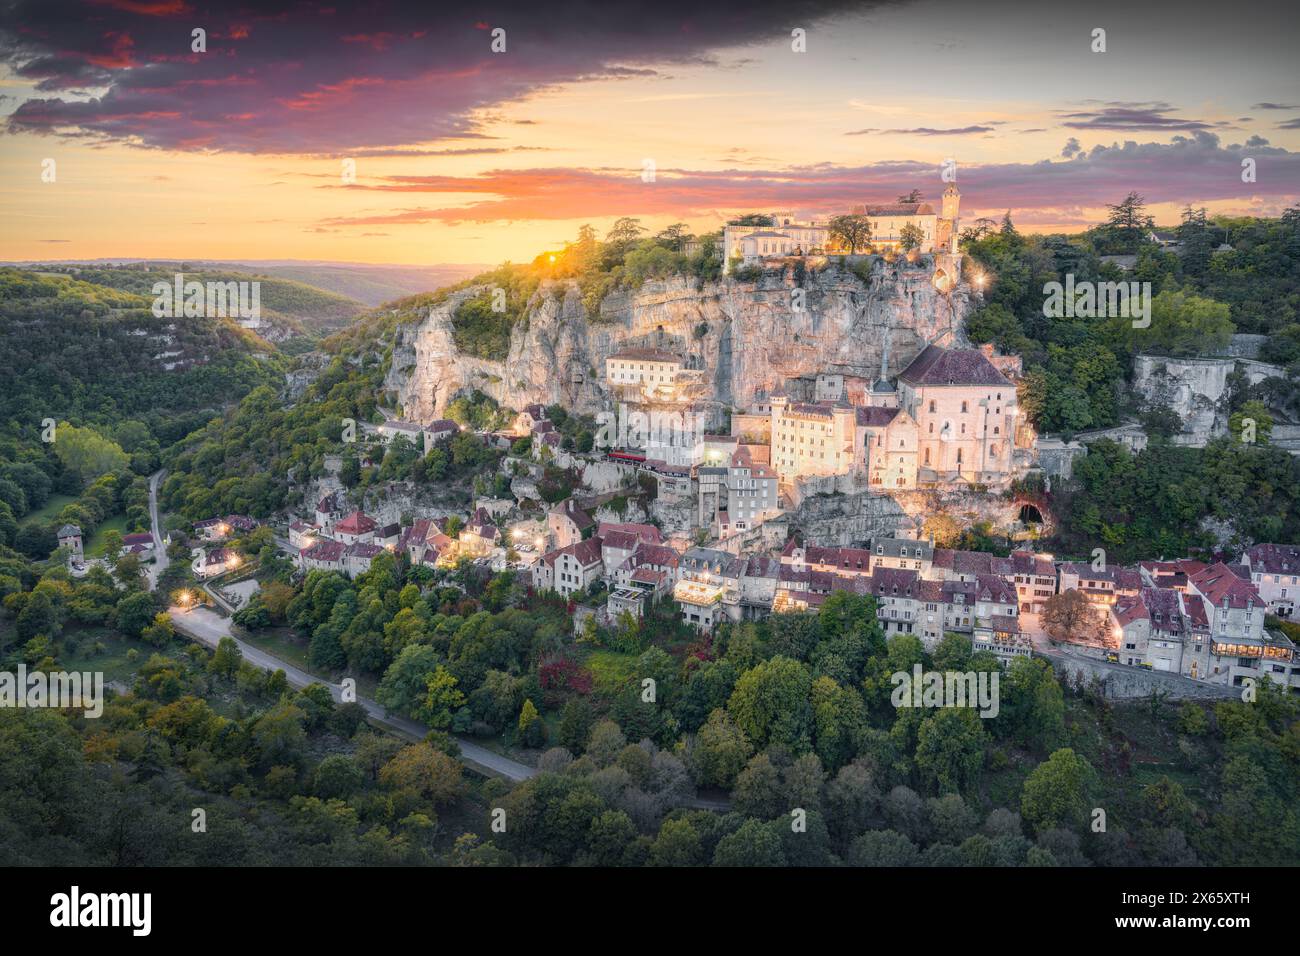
[[963, 407], [932, 406]]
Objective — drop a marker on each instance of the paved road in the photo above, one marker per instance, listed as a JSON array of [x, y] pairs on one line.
[[160, 559], [208, 627]]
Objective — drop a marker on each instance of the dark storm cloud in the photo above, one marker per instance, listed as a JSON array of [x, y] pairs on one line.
[[291, 77]]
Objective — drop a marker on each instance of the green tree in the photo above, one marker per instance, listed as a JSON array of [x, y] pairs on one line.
[[1056, 792]]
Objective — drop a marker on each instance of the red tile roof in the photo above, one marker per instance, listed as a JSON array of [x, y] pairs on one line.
[[355, 523], [326, 550], [1218, 583]]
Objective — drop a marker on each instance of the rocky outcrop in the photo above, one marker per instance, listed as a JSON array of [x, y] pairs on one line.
[[747, 336], [1196, 389], [850, 518]]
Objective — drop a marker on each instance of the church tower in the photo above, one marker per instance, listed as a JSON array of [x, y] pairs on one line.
[[946, 239]]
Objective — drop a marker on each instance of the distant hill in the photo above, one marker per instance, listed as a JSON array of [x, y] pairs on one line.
[[369, 285]]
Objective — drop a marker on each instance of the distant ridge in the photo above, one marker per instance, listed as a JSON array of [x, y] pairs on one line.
[[367, 283]]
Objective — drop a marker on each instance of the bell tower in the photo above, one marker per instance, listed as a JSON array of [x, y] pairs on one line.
[[946, 240]]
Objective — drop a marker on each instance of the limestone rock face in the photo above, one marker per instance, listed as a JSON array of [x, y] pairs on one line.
[[1196, 389], [747, 336]]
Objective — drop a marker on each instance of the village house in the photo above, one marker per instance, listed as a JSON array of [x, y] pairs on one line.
[[437, 432], [657, 558], [1102, 586], [215, 561], [568, 524], [907, 554], [392, 429], [140, 544], [708, 586], [1275, 572], [640, 375], [355, 528], [569, 569], [997, 621], [479, 536], [325, 555], [1034, 578], [302, 534], [626, 601], [358, 557], [218, 529], [528, 420], [1211, 630]]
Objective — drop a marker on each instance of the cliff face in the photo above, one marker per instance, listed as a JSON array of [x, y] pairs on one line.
[[747, 336], [1196, 389]]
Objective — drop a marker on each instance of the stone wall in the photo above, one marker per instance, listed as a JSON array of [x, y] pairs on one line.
[[1123, 682]]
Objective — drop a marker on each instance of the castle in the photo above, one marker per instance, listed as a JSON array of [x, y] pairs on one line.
[[750, 244]]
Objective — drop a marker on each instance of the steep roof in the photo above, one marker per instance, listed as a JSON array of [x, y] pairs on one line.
[[1275, 558], [356, 523], [939, 366], [325, 550], [586, 552], [874, 416], [1218, 583]]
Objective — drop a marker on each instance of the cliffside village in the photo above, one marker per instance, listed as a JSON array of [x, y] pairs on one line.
[[714, 539], [950, 419]]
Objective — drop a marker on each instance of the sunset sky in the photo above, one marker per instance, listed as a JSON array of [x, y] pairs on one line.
[[465, 155]]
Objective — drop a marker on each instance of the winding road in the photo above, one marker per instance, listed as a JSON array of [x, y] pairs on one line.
[[208, 628], [160, 559]]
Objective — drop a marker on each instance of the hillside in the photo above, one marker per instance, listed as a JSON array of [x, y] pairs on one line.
[[119, 383], [289, 309]]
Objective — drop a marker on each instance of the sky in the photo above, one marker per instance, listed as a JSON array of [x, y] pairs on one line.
[[387, 132]]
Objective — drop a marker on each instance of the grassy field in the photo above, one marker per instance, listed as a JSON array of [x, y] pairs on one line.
[[115, 660], [52, 508], [95, 546], [610, 669]]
